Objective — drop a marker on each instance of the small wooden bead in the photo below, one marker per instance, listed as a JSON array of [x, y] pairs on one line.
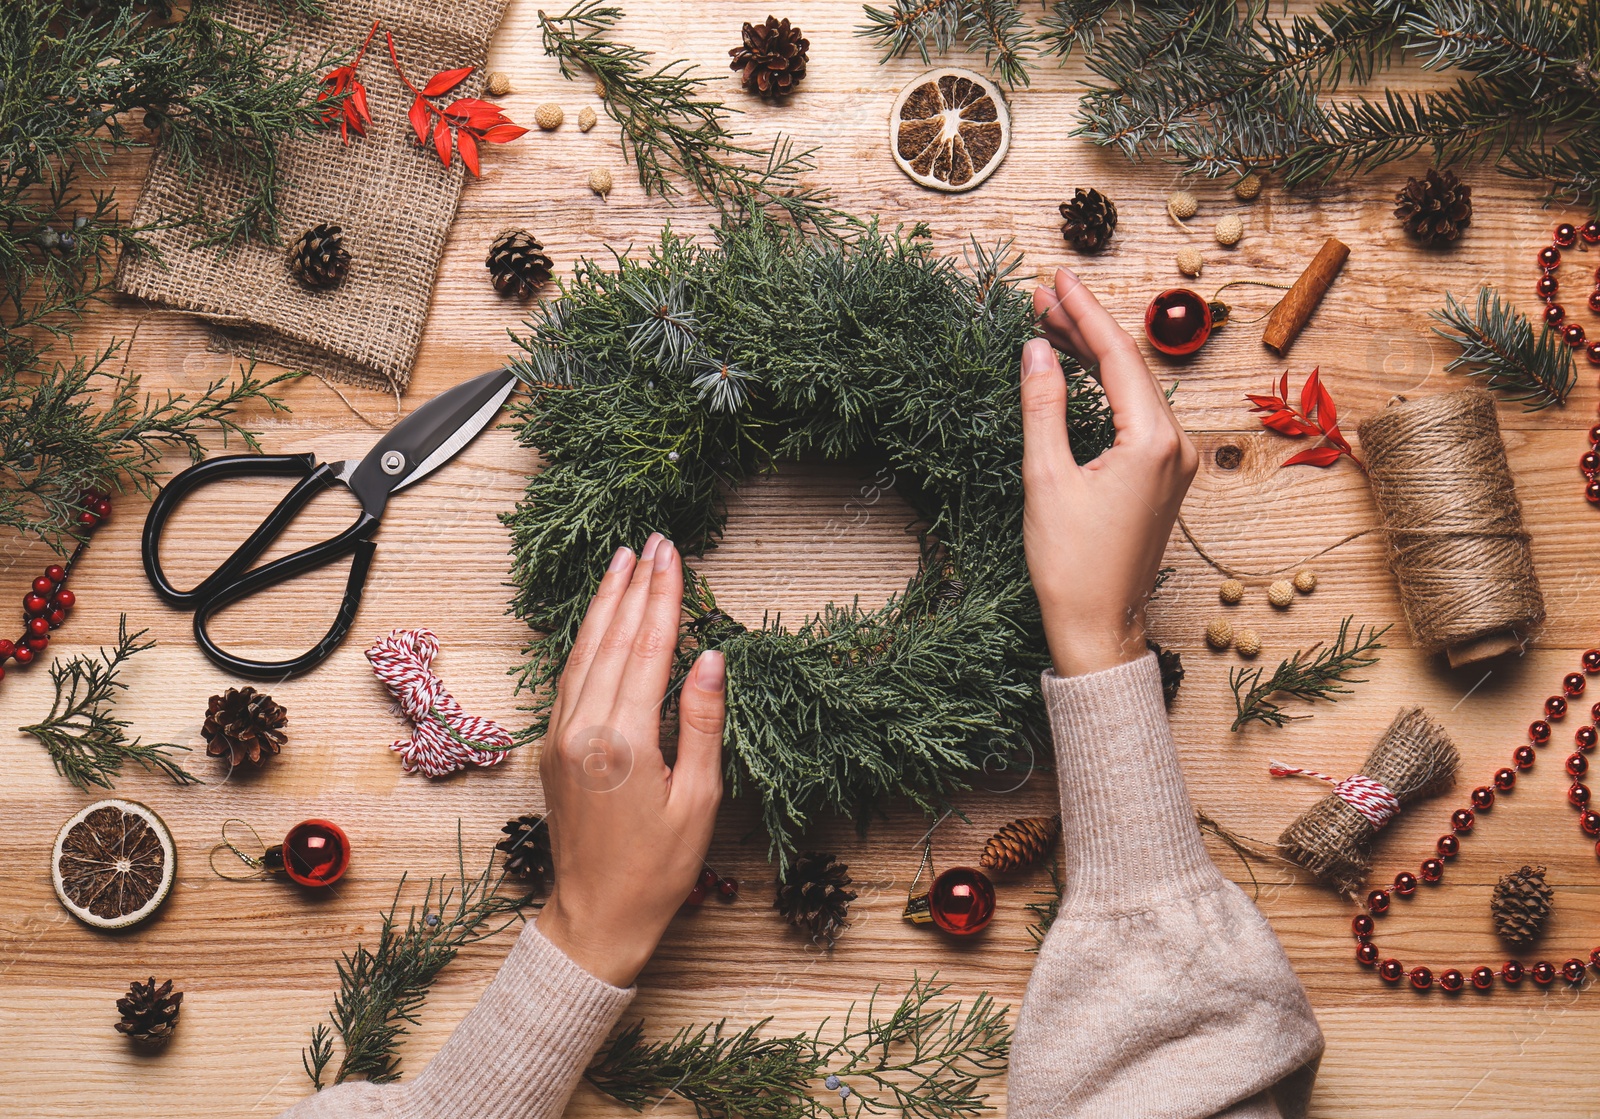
[[1432, 870], [1231, 592], [1505, 779], [1451, 980], [1219, 634], [1448, 846], [1512, 972], [1462, 820], [1305, 581], [1281, 594], [1543, 973], [1421, 978], [1483, 977], [1391, 971]]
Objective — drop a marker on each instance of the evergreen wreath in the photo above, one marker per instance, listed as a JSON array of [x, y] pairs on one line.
[[658, 385]]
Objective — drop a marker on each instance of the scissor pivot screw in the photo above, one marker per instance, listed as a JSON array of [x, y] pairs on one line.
[[393, 462]]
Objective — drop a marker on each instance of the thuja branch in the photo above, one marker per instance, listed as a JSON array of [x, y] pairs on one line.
[[87, 742], [1319, 672], [1498, 344]]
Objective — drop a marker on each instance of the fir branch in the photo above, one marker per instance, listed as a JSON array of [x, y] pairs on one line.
[[995, 27], [1073, 24], [1498, 344], [382, 989], [88, 744], [924, 1059], [673, 132], [1315, 673]]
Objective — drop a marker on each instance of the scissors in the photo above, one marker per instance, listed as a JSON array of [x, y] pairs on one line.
[[416, 447]]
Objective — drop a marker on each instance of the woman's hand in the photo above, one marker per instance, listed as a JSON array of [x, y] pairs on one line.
[[1094, 534], [628, 833]]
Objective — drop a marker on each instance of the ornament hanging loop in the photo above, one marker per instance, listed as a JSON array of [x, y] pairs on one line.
[[918, 911], [256, 863]]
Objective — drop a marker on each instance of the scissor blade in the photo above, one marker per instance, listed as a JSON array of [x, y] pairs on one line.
[[429, 437]]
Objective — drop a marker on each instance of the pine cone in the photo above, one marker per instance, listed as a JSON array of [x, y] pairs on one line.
[[815, 893], [1171, 665], [1091, 219], [1021, 843], [149, 1013], [318, 258], [1436, 208], [517, 264], [244, 724], [527, 848], [771, 59], [1520, 904]]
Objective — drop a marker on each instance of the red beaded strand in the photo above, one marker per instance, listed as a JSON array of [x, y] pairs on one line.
[[1512, 972], [48, 600], [1567, 236]]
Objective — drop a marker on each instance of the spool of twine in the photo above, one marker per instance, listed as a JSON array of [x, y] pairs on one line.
[[1333, 838], [1454, 525]]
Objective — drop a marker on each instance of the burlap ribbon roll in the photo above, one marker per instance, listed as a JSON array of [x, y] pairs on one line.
[[394, 200], [1333, 838]]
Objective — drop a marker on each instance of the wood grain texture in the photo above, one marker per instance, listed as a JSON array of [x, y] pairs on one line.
[[257, 959]]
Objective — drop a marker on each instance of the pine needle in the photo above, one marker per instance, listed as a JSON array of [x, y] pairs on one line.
[[1498, 344], [926, 27], [88, 744], [1319, 672]]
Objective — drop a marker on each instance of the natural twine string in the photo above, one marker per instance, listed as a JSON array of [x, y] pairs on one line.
[[1454, 525]]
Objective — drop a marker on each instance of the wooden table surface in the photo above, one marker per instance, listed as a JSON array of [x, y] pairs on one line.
[[256, 960]]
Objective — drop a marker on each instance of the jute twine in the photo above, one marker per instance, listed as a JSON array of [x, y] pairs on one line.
[[1454, 524], [394, 200], [1333, 838]]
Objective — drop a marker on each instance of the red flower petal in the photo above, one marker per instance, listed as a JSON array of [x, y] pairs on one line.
[[445, 81], [503, 133], [1315, 456], [441, 141], [419, 119], [468, 147]]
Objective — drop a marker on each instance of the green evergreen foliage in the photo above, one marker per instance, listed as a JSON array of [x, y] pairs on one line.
[[870, 348], [1320, 672], [994, 27], [1498, 343]]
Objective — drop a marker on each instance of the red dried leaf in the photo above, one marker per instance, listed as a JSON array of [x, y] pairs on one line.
[[444, 81], [1315, 456], [503, 133], [1336, 437], [419, 117], [468, 147], [479, 114], [1308, 394], [1287, 423], [1283, 386], [358, 104], [1264, 403], [441, 141], [1327, 414]]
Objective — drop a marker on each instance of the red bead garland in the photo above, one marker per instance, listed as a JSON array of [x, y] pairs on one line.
[[1566, 236], [48, 601], [1511, 973]]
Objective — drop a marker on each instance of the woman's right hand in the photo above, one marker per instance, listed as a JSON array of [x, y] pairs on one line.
[[1094, 534]]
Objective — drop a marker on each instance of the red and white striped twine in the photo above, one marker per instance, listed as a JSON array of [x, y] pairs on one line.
[[1372, 799], [444, 738]]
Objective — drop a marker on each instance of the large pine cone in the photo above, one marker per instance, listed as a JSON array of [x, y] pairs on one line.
[[1436, 208], [1020, 843], [815, 893], [1520, 904], [527, 848], [517, 263], [149, 1013], [772, 57], [1091, 219], [318, 258], [244, 724]]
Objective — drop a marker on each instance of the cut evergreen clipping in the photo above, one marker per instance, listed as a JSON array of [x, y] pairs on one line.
[[658, 386], [1499, 344]]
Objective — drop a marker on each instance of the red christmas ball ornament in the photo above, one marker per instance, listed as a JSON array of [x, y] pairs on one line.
[[1450, 979], [1362, 925], [314, 853], [1578, 794], [1483, 798], [1572, 334], [1572, 970], [1593, 350], [1543, 973], [1591, 493], [1594, 435], [1566, 235], [1585, 737], [1483, 978], [1573, 683], [1378, 901], [1405, 883], [1511, 972], [1538, 732], [1590, 232], [1591, 660], [1594, 301], [1577, 765], [1589, 821], [1178, 322], [961, 900]]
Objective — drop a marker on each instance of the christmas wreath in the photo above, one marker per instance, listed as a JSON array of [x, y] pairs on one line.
[[658, 384]]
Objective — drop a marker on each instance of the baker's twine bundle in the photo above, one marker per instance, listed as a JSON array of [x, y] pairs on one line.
[[1454, 525], [444, 738], [1333, 838]]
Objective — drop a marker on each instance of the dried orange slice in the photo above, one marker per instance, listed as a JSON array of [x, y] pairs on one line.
[[113, 864], [950, 129]]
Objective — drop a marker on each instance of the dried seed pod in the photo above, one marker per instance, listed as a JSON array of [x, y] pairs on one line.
[[549, 116], [1305, 581], [497, 84], [1231, 591], [1181, 204], [586, 119], [600, 181], [1190, 261], [1248, 188], [1281, 594], [1247, 643], [1219, 634], [1230, 227]]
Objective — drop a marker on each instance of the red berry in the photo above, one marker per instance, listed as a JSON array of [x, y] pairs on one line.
[[708, 878], [101, 507], [34, 604], [88, 519], [56, 617], [87, 497], [43, 585], [23, 654], [728, 888], [65, 599], [6, 648], [37, 627], [696, 895], [56, 573], [38, 642]]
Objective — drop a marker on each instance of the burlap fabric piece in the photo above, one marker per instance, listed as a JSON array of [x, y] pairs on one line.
[[393, 198]]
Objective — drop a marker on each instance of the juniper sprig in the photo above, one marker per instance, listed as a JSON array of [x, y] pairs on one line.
[[1320, 672]]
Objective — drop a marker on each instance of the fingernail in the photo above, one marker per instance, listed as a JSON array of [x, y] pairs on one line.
[[619, 561], [650, 546], [1066, 277], [1035, 356], [712, 675], [664, 555]]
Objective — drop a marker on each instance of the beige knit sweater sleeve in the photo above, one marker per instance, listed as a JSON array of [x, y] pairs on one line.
[[1161, 992]]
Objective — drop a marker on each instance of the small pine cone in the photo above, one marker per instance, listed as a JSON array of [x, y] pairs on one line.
[[517, 264], [1247, 643], [1248, 188], [1190, 262], [318, 258], [586, 119], [1181, 205], [772, 57], [244, 724], [1219, 634], [1520, 904], [1230, 227], [527, 848], [497, 84], [600, 181], [1281, 594], [1021, 843], [1231, 592], [1305, 581], [814, 892], [1435, 208], [549, 116], [1171, 666], [149, 1013], [1090, 220]]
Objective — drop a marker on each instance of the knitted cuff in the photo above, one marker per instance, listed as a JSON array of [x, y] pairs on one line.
[[1127, 826], [523, 1047]]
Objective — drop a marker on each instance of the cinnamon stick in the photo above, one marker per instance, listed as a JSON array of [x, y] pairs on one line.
[[1289, 317]]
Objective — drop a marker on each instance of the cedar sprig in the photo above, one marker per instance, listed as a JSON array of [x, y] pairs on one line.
[[673, 131], [1319, 672], [1498, 344], [925, 1058], [88, 744], [926, 27], [382, 989]]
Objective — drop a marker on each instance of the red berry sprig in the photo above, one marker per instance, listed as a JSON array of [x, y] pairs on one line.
[[726, 888], [48, 601]]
